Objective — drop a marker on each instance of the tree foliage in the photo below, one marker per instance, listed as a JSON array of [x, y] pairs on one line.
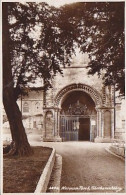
[[20, 145], [96, 28], [37, 44], [39, 39], [33, 46], [99, 30]]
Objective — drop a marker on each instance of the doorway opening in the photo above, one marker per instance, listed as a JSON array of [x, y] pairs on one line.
[[84, 129], [78, 109]]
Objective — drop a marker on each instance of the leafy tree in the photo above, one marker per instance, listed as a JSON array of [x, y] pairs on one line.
[[21, 145], [27, 56], [34, 56], [99, 30], [107, 45], [38, 39]]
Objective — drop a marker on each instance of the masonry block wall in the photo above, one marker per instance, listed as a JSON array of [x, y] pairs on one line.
[[76, 74], [41, 109]]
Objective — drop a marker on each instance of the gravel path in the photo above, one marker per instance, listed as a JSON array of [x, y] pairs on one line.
[[88, 167]]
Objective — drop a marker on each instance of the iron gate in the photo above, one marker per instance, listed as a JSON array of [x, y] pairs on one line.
[[70, 121], [69, 127]]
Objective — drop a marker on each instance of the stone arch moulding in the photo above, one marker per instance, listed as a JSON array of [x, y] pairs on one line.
[[94, 94]]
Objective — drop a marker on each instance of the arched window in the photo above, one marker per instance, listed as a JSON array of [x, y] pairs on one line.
[[25, 107]]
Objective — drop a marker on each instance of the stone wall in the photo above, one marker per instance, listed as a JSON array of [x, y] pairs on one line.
[[76, 75], [120, 119], [31, 104], [41, 112]]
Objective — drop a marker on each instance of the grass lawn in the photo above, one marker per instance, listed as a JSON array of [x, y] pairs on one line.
[[21, 175]]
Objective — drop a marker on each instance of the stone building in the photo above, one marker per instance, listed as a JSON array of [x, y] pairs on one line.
[[77, 107], [31, 107], [80, 107]]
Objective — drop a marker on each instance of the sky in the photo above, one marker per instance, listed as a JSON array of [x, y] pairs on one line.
[[58, 3]]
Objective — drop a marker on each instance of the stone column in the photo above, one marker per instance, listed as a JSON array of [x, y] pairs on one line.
[[102, 124], [58, 125], [112, 123], [99, 123], [44, 128], [90, 129], [55, 123]]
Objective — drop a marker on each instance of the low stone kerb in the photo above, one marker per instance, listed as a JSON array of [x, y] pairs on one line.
[[45, 176]]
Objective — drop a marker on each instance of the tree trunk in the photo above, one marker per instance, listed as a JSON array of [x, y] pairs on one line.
[[21, 145]]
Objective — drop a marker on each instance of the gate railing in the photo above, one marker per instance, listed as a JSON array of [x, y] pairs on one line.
[[69, 127]]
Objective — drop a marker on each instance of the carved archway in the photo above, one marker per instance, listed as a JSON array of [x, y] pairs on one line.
[[94, 94]]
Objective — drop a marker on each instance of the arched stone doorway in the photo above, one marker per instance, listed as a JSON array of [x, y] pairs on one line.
[[76, 116], [77, 113], [94, 94]]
